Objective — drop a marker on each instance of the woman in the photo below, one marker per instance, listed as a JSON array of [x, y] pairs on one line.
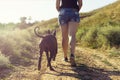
[[69, 20]]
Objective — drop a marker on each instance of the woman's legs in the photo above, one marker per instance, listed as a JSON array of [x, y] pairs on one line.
[[72, 40], [70, 30], [72, 35], [65, 39]]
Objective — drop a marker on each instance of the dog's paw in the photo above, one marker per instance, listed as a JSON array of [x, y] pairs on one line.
[[39, 68], [47, 65], [52, 69]]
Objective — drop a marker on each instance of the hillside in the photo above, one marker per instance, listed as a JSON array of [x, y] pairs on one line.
[[102, 27], [109, 14], [97, 51]]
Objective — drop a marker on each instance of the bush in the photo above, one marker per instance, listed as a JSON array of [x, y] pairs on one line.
[[81, 32], [17, 59], [88, 37], [99, 37], [6, 46], [112, 35], [4, 61], [19, 45]]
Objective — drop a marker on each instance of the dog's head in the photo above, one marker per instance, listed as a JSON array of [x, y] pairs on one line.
[[48, 32], [51, 32]]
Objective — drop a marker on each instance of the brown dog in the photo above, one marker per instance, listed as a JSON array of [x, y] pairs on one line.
[[49, 45]]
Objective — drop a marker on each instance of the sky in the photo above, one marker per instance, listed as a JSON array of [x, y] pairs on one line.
[[12, 10]]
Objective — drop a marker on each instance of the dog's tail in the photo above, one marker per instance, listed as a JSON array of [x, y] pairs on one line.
[[36, 32]]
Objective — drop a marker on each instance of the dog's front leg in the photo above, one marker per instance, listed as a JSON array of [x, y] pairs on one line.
[[39, 61]]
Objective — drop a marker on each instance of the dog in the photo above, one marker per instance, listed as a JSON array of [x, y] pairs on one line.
[[48, 45]]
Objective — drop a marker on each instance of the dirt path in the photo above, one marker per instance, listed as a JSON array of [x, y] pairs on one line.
[[88, 68], [91, 65], [63, 70]]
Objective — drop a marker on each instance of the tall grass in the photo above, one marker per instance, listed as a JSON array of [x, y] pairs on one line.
[[99, 37], [19, 45], [4, 61], [102, 28]]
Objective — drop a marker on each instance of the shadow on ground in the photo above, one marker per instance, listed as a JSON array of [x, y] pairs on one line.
[[83, 72], [5, 71]]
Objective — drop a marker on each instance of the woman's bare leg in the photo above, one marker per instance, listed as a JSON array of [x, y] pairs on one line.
[[65, 39], [72, 35], [72, 40]]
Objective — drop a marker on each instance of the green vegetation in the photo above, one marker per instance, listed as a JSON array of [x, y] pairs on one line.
[[19, 46], [4, 61], [114, 53], [99, 37], [107, 62], [101, 29], [5, 26], [16, 44]]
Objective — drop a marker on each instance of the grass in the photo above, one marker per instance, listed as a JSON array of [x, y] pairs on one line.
[[99, 37], [114, 53], [101, 29], [4, 61], [107, 62], [17, 48]]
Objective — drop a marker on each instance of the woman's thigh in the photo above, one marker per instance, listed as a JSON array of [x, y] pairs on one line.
[[64, 30], [73, 28]]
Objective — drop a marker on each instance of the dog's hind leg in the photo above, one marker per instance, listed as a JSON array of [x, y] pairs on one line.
[[39, 61], [47, 55], [49, 62], [49, 58]]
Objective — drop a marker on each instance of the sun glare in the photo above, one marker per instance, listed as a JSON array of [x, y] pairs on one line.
[[12, 10]]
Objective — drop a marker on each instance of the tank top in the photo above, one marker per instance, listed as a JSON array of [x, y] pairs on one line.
[[69, 4]]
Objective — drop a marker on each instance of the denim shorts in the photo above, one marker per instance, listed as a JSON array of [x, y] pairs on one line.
[[68, 15]]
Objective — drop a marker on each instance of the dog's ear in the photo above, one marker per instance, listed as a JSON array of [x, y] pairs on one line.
[[54, 32]]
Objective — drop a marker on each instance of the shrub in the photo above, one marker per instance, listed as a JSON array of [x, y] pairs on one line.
[[17, 59], [112, 35], [90, 37], [99, 37], [81, 32], [19, 45], [7, 46], [4, 61], [114, 53]]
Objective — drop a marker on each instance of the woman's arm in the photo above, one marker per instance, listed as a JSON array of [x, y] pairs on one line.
[[58, 5], [80, 4]]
